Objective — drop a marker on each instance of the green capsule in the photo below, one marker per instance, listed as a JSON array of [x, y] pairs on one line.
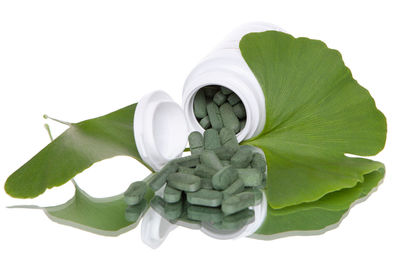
[[215, 116], [228, 137], [210, 90], [205, 197], [184, 182], [158, 204], [135, 193], [211, 139], [205, 122], [133, 212], [250, 177], [239, 110], [204, 214], [200, 105], [259, 162], [233, 99], [257, 194], [224, 178], [188, 161], [242, 157], [235, 188], [160, 178], [219, 98], [196, 142], [204, 171], [172, 211], [229, 118], [238, 220], [186, 170], [226, 152], [238, 202], [225, 90], [172, 195], [210, 159]]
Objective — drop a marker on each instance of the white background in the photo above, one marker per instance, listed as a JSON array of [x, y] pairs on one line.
[[80, 59]]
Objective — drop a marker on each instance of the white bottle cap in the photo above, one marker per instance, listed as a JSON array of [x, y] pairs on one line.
[[160, 129]]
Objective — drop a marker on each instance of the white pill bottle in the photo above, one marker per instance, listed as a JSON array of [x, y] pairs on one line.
[[161, 126]]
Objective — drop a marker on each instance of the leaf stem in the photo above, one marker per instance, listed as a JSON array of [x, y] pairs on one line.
[[47, 127], [45, 116]]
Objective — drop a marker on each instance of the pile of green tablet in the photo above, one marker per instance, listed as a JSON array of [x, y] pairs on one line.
[[216, 107], [217, 184]]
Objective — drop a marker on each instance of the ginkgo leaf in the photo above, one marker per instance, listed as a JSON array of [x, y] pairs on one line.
[[75, 150], [315, 114], [319, 214]]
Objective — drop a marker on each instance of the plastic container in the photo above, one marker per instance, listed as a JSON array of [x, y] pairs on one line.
[[161, 126]]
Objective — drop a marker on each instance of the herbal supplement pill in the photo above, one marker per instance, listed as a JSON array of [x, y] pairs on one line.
[[200, 105], [225, 152], [227, 135], [205, 122], [242, 124], [188, 161], [205, 197], [235, 188], [242, 158], [224, 178], [204, 214], [210, 90], [233, 99], [219, 98], [225, 90], [239, 110], [238, 220], [196, 140], [173, 211], [133, 212], [204, 171], [250, 177], [135, 193], [160, 177], [214, 115], [257, 194], [229, 118], [211, 139], [206, 183], [237, 202], [259, 162], [184, 182], [158, 204], [172, 195], [210, 159], [187, 170]]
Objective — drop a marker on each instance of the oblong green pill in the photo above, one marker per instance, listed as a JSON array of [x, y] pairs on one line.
[[251, 177], [225, 90], [196, 142], [205, 122], [172, 195], [184, 182], [235, 188], [204, 171], [187, 170], [238, 220], [257, 194], [204, 214], [135, 193], [214, 115], [206, 183], [239, 110], [210, 159], [160, 178], [200, 105], [242, 158], [229, 118], [226, 152], [224, 178], [233, 99], [219, 98], [228, 136], [237, 202], [173, 211], [188, 161], [259, 162], [211, 139], [158, 204], [205, 197], [210, 90], [133, 212]]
